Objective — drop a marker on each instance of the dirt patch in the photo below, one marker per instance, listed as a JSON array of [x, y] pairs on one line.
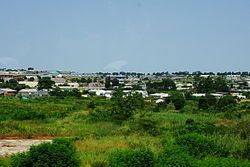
[[35, 136], [8, 147]]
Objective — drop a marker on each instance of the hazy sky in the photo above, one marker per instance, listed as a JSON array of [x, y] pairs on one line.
[[125, 35]]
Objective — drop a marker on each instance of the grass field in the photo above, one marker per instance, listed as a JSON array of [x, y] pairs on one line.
[[69, 117]]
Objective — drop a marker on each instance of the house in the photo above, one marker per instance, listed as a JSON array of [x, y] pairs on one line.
[[7, 92], [105, 93], [28, 92], [159, 101], [31, 84], [33, 92], [59, 81], [142, 92], [160, 95], [199, 94]]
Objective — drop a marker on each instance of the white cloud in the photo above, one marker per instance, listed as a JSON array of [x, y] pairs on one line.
[[116, 65]]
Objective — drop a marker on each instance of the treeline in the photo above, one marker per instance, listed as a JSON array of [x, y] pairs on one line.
[[209, 84], [178, 73], [163, 85], [12, 84]]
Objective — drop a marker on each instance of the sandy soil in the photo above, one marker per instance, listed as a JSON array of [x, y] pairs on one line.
[[8, 147]]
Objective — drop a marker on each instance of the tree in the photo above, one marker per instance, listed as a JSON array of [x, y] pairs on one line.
[[89, 80], [115, 82], [45, 83], [168, 84], [209, 84], [165, 84], [83, 80], [178, 100], [61, 152], [124, 106], [107, 82], [207, 101], [225, 102], [220, 84]]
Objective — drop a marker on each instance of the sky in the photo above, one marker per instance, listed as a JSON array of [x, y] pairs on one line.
[[125, 35]]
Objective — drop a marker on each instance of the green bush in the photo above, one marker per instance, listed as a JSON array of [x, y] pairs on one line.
[[222, 162], [27, 115], [173, 156], [61, 152], [132, 158], [147, 125], [178, 100], [2, 163], [207, 102], [226, 102], [200, 146], [99, 114], [195, 127]]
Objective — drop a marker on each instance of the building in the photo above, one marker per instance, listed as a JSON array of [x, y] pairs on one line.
[[7, 92]]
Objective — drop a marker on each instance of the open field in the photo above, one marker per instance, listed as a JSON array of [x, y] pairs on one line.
[[48, 118]]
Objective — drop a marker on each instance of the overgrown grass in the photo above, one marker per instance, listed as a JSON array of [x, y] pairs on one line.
[[97, 138]]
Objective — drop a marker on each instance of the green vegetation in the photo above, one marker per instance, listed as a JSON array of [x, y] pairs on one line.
[[127, 131], [209, 84], [165, 84], [61, 152]]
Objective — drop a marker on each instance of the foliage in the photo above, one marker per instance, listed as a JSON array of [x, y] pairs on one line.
[[174, 156], [127, 158], [107, 82], [45, 83], [243, 129], [115, 82], [196, 127], [208, 84], [207, 101], [165, 84], [222, 162], [147, 125], [57, 92], [226, 102], [124, 106], [91, 105], [12, 84], [100, 114], [200, 146], [178, 100], [61, 152], [34, 109]]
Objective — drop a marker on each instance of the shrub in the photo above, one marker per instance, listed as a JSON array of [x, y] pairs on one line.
[[206, 102], [174, 156], [124, 106], [2, 163], [178, 101], [196, 127], [127, 158], [226, 102], [222, 162], [27, 115], [148, 125], [91, 105], [61, 152], [99, 114], [243, 128], [200, 146]]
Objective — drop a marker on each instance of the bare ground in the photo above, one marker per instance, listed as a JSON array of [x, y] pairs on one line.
[[12, 146]]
